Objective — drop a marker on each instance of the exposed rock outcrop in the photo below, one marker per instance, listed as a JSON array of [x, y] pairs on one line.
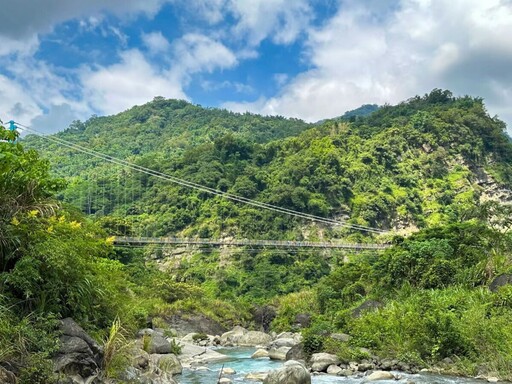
[[292, 372], [321, 361], [78, 354]]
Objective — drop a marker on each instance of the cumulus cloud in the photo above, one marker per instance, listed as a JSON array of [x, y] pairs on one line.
[[135, 80], [57, 118], [15, 103], [283, 20], [156, 42], [197, 53], [367, 54], [132, 81], [27, 18]]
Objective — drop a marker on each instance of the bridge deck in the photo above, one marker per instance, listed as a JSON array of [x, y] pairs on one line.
[[245, 242]]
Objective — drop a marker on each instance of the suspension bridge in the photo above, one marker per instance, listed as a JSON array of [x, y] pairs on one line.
[[141, 241], [137, 241]]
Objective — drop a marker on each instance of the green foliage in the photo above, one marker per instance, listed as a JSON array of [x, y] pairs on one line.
[[313, 338], [115, 356], [176, 347], [290, 306], [411, 164], [197, 337]]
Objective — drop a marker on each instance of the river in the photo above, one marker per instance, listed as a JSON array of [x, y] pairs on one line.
[[240, 360]]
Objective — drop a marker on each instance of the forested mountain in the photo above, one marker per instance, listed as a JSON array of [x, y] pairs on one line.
[[424, 162], [436, 167]]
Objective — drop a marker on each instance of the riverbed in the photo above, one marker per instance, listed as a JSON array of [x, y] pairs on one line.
[[240, 360]]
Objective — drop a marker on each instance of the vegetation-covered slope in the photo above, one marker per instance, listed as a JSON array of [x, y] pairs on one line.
[[431, 163], [420, 163], [54, 263]]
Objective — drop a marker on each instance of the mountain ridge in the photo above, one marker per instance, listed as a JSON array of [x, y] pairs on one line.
[[410, 165]]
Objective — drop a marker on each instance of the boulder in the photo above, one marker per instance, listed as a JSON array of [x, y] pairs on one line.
[[341, 337], [296, 353], [256, 376], [232, 337], [259, 354], [284, 342], [193, 354], [264, 315], [146, 332], [69, 327], [380, 375], [158, 378], [184, 323], [253, 338], [159, 344], [368, 305], [500, 281], [189, 337], [140, 359], [278, 353], [303, 320], [228, 371], [386, 364], [292, 372], [78, 354], [345, 372], [320, 361], [333, 369], [289, 335], [363, 367], [224, 380]]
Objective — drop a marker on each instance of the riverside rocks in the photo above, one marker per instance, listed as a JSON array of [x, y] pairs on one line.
[[320, 361], [78, 354], [159, 344], [260, 353], [278, 353], [254, 338], [232, 337], [380, 375], [256, 376], [292, 372], [296, 353]]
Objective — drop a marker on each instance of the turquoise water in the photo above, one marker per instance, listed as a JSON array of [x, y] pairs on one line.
[[240, 360]]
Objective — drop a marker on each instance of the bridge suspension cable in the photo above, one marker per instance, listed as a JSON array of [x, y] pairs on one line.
[[200, 187]]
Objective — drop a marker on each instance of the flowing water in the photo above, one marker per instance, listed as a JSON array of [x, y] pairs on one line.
[[240, 360]]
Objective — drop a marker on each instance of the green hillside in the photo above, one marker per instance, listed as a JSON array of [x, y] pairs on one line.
[[423, 162], [435, 168]]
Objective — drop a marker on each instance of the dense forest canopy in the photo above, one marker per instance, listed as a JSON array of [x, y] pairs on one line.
[[420, 163]]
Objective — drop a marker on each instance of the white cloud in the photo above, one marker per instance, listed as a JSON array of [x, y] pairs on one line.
[[136, 80], [251, 21], [15, 103], [284, 20], [236, 86], [376, 55], [27, 18], [213, 11], [133, 81], [199, 53], [57, 118], [155, 42]]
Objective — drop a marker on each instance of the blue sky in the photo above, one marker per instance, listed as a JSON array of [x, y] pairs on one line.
[[62, 60]]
